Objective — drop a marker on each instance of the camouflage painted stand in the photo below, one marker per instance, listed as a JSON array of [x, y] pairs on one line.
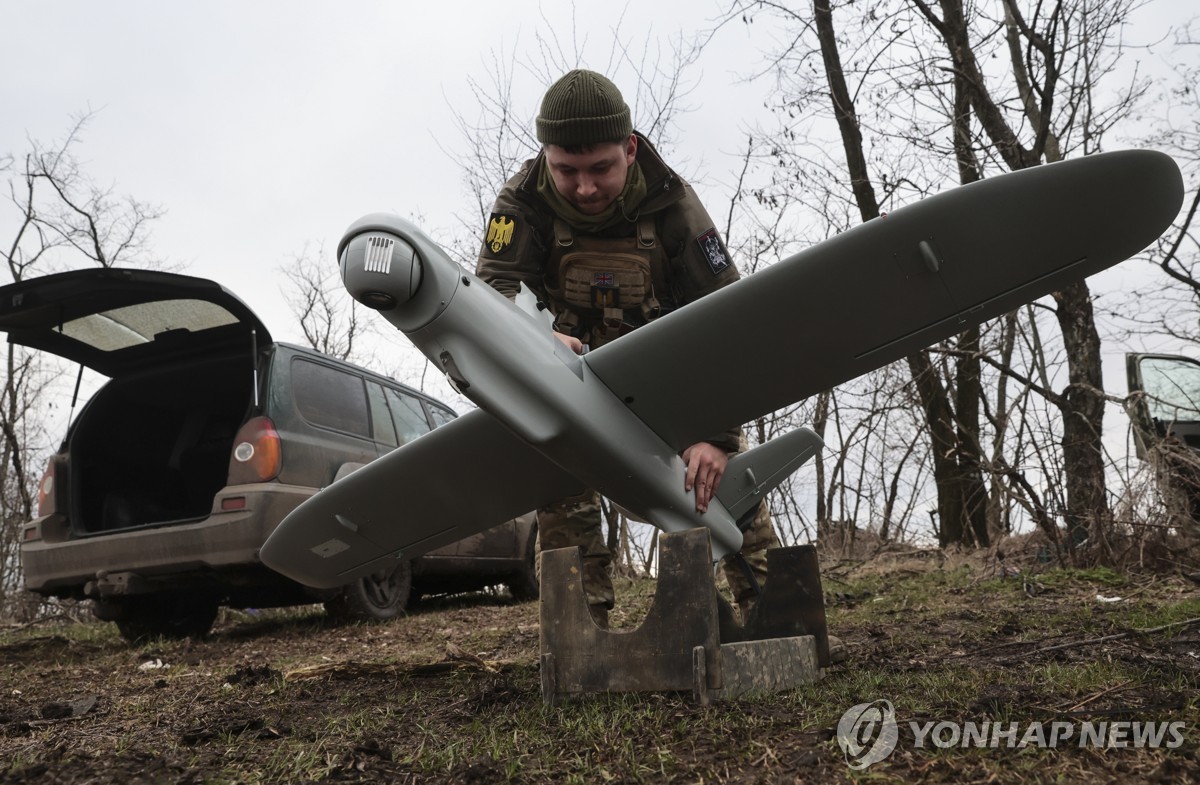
[[679, 646]]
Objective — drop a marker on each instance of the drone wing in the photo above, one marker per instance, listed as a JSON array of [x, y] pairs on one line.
[[465, 477], [887, 288]]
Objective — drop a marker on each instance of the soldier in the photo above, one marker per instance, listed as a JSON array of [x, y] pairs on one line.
[[607, 235]]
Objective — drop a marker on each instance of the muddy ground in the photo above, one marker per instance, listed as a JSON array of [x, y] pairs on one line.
[[450, 693]]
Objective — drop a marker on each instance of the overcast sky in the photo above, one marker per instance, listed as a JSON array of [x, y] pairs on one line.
[[261, 127]]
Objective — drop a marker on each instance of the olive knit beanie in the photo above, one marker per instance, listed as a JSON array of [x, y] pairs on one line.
[[583, 108]]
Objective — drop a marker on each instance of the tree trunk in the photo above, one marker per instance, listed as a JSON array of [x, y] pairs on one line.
[[1082, 407], [968, 390], [954, 437], [820, 419]]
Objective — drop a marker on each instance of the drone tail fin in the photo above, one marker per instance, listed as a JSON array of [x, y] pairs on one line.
[[751, 475]]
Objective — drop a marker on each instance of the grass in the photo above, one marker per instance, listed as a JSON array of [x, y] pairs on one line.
[[959, 644]]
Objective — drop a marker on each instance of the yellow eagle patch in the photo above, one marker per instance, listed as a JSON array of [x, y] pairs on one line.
[[500, 232]]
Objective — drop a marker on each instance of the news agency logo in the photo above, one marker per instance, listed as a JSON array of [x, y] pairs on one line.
[[867, 733]]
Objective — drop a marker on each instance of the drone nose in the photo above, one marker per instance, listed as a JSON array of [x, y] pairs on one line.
[[380, 270]]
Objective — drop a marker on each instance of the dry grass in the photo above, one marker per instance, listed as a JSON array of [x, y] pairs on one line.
[[450, 693]]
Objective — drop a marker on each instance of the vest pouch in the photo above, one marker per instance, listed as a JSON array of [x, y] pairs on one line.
[[602, 287], [604, 282]]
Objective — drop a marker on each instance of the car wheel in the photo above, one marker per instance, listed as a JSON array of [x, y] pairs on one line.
[[145, 617], [377, 597], [523, 584]]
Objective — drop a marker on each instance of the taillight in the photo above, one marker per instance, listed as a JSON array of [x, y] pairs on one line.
[[47, 504], [257, 454]]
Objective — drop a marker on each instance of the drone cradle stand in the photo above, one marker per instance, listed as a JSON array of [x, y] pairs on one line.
[[689, 640]]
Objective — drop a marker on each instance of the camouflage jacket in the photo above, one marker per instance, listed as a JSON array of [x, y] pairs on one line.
[[698, 261]]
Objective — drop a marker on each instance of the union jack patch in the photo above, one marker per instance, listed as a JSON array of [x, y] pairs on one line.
[[603, 279]]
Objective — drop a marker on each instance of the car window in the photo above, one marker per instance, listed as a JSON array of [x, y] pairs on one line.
[[441, 415], [1172, 387], [381, 419], [408, 414], [329, 397], [132, 325]]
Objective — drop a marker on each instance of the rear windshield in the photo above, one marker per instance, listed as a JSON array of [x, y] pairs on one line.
[[120, 328]]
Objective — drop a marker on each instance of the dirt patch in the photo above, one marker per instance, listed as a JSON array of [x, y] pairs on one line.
[[451, 693]]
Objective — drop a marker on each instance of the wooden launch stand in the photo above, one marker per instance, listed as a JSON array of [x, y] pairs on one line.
[[690, 640]]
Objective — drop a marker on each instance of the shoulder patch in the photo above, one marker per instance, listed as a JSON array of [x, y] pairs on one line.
[[500, 231], [714, 251]]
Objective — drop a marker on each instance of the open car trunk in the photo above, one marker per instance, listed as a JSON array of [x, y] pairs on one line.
[[153, 448], [153, 445]]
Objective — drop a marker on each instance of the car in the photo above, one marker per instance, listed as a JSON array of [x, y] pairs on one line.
[[1164, 408], [206, 435], [1166, 402]]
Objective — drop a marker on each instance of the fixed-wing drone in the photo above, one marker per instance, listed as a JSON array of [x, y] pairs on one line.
[[550, 423]]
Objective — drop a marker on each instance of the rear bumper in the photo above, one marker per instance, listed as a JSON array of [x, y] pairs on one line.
[[109, 562]]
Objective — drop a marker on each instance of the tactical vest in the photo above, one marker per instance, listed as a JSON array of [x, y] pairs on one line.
[[602, 287]]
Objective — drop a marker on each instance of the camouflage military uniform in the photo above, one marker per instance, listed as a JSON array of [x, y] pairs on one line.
[[526, 242]]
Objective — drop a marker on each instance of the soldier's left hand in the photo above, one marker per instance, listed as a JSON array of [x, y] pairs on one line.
[[570, 341], [705, 467]]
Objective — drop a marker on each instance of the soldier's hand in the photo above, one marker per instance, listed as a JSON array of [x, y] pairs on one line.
[[571, 342], [705, 467]]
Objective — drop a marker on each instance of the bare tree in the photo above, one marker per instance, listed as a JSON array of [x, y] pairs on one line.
[[61, 218], [950, 419], [62, 209], [1167, 487], [1177, 254], [1057, 57], [330, 319], [919, 93], [497, 134]]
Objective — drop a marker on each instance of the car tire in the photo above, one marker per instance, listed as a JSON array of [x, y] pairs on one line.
[[523, 585], [168, 615], [377, 597]]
